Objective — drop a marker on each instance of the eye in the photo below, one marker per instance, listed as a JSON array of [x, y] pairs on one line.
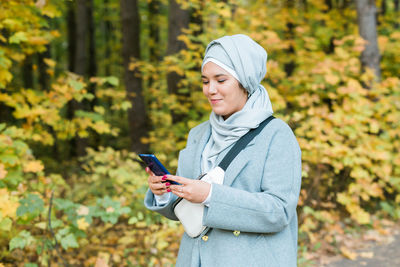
[[205, 82], [221, 81]]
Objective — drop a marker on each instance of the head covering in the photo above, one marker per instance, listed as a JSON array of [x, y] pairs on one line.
[[240, 53], [245, 60]]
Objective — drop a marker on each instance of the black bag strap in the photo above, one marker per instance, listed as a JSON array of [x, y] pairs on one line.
[[242, 143]]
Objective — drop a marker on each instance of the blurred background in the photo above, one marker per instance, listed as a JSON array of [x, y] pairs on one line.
[[85, 85]]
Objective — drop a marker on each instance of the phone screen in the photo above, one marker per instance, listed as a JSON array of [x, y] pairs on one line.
[[155, 165]]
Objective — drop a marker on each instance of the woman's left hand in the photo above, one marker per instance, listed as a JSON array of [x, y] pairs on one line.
[[195, 191]]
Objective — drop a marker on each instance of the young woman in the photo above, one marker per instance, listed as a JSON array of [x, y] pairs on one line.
[[251, 216]]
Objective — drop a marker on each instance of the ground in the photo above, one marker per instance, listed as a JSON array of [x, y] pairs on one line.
[[371, 249]]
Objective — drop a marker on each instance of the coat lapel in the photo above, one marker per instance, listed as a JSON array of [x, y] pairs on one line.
[[238, 164], [200, 142], [191, 155]]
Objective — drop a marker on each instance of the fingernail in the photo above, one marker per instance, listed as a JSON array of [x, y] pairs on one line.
[[168, 190], [167, 184], [164, 178]]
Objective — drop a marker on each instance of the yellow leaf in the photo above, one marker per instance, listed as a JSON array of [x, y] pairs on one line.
[[40, 3], [100, 262], [82, 224], [368, 255], [33, 166], [348, 253], [3, 172], [361, 216], [37, 40], [331, 79], [49, 62], [102, 259], [83, 210], [110, 209], [8, 206]]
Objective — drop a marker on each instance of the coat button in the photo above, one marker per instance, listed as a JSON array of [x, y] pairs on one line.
[[205, 238], [236, 233]]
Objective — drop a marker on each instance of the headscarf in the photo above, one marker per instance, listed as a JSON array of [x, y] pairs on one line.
[[245, 60]]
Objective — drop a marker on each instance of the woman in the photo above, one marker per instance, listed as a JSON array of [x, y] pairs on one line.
[[252, 215]]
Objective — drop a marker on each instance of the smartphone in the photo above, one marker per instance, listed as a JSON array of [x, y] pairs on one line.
[[155, 165]]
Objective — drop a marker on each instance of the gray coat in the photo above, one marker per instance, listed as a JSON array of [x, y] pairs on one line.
[[252, 216]]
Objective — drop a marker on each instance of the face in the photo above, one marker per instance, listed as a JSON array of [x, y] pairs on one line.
[[222, 90]]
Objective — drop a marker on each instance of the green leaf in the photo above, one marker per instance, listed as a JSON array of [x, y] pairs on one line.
[[69, 241], [5, 224], [30, 265], [76, 85], [23, 239], [10, 159], [133, 220], [18, 38], [91, 115], [32, 205], [112, 80], [125, 210], [125, 105], [64, 204]]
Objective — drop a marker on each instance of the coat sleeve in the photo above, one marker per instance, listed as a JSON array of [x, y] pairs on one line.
[[270, 210], [166, 209]]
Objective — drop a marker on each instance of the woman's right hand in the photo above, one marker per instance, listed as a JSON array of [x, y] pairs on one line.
[[157, 184]]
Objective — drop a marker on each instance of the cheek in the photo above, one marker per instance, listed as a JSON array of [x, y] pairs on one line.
[[205, 91]]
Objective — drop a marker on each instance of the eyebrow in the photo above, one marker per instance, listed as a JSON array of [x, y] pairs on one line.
[[216, 76]]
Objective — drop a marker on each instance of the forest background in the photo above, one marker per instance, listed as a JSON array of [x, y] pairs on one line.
[[87, 84]]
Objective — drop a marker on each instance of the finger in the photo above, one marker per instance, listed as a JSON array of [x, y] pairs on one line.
[[158, 186], [178, 179], [177, 190], [149, 171], [161, 191], [157, 179]]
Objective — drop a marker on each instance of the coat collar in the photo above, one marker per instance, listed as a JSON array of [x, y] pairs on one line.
[[238, 163], [196, 148], [200, 142]]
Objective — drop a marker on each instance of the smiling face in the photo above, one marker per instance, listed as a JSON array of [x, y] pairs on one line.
[[222, 90]]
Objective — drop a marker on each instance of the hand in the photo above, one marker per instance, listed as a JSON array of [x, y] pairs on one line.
[[157, 184], [195, 191]]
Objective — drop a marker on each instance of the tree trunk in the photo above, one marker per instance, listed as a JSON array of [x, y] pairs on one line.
[[196, 17], [92, 65], [383, 8], [396, 10], [80, 66], [178, 19], [137, 117], [290, 65], [108, 31], [366, 18], [71, 27], [44, 77], [71, 35], [154, 34], [27, 72]]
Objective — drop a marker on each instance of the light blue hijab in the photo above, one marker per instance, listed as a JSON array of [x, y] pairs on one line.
[[247, 59]]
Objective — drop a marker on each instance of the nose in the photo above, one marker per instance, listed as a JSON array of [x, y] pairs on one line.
[[212, 89]]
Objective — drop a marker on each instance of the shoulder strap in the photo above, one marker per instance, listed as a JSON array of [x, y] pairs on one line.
[[242, 143]]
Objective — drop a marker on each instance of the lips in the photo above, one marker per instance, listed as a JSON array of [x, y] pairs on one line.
[[215, 101]]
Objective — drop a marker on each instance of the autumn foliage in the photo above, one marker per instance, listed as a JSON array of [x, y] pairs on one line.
[[59, 208]]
